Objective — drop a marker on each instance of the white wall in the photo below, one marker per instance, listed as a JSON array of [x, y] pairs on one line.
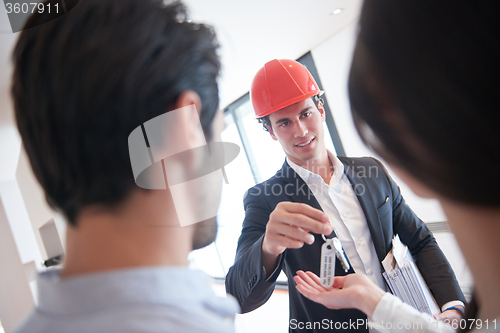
[[37, 208], [23, 211], [15, 294]]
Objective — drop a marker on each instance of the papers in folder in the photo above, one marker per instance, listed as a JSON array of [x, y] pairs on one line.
[[405, 281]]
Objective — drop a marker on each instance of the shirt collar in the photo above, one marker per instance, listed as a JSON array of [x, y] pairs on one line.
[[307, 176]]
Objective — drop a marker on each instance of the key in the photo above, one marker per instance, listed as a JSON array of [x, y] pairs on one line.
[[340, 254], [327, 265]]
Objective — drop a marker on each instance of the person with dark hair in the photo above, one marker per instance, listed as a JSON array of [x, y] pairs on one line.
[[85, 87], [317, 194], [424, 93]]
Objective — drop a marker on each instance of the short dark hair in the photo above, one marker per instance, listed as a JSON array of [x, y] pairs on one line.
[[84, 81], [266, 123], [424, 92]]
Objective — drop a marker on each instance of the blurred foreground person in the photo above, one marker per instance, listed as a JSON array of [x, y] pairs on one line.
[[424, 95], [85, 87]]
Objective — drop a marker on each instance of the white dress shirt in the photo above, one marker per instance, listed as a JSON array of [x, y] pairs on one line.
[[347, 218]]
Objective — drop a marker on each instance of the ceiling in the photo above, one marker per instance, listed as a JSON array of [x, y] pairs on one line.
[[254, 32]]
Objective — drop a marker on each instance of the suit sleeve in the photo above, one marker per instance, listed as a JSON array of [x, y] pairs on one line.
[[246, 278], [430, 260]]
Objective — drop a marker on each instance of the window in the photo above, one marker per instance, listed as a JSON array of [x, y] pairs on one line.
[[259, 159]]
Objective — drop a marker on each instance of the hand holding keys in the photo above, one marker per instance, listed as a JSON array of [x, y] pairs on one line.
[[331, 248]]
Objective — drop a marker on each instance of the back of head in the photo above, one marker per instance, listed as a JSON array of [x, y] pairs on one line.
[[84, 81], [424, 92]]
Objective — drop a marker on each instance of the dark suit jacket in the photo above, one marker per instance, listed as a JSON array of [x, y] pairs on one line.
[[385, 217]]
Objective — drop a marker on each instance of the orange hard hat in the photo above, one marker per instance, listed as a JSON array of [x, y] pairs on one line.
[[281, 83]]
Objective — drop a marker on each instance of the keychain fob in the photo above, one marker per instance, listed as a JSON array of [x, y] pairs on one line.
[[327, 268]]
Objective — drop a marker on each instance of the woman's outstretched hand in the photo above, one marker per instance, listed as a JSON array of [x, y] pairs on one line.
[[351, 291]]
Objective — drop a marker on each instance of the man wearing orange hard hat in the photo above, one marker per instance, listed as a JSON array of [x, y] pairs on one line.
[[322, 213]]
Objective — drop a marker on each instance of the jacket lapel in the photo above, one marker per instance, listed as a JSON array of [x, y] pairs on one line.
[[298, 191], [365, 198]]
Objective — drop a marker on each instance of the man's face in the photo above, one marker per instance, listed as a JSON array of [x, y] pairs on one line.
[[299, 130], [205, 232]]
